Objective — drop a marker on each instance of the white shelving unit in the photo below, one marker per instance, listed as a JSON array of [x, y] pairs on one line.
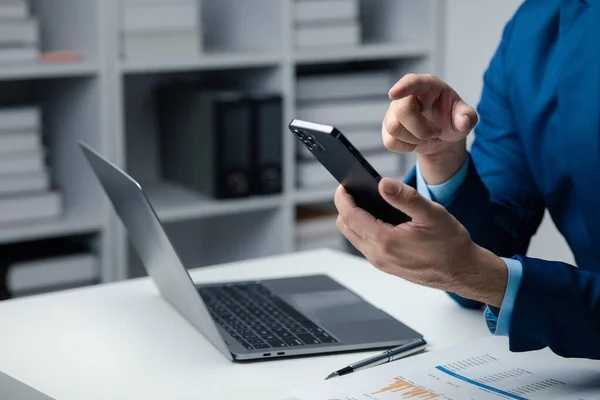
[[107, 101]]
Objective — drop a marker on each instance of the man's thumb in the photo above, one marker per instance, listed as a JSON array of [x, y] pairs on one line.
[[464, 117], [405, 199]]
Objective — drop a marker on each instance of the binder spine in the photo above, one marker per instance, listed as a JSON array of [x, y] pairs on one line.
[[268, 145], [233, 148]]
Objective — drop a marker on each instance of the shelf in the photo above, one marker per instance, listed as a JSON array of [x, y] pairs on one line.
[[314, 195], [41, 71], [367, 52], [215, 61], [173, 202], [68, 225]]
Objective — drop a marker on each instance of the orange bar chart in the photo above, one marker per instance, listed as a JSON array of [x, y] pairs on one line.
[[409, 391]]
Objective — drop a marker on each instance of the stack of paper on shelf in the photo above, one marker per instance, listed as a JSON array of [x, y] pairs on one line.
[[316, 228], [327, 23], [154, 29], [61, 272], [311, 174], [355, 103], [47, 265], [19, 33], [24, 178]]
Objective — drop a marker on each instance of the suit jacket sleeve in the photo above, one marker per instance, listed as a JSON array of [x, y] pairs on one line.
[[498, 202], [557, 305]]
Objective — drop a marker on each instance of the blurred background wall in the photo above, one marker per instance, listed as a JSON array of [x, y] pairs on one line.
[[171, 89]]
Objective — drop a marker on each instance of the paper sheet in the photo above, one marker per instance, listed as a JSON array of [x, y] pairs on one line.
[[479, 371]]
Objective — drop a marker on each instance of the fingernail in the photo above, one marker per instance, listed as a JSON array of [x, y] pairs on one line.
[[467, 120], [391, 188]]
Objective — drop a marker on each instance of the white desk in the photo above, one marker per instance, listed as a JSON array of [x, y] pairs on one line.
[[122, 341]]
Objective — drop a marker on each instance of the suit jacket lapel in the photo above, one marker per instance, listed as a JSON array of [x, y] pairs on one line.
[[579, 114]]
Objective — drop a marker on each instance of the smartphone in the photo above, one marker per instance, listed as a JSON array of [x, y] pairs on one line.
[[348, 167]]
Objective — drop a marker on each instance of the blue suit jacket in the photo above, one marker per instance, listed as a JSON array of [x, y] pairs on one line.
[[538, 146]]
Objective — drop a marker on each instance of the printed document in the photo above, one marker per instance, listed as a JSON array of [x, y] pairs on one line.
[[482, 370]]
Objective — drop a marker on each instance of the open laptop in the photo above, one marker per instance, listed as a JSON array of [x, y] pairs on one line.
[[248, 320]]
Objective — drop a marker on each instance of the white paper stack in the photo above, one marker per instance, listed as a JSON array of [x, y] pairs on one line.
[[19, 33], [25, 193], [316, 228], [327, 23], [355, 103], [53, 273], [312, 174], [154, 29]]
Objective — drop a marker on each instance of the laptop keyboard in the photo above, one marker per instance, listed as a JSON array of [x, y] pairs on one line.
[[259, 319]]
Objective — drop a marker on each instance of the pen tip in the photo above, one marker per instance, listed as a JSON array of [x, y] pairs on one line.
[[332, 375]]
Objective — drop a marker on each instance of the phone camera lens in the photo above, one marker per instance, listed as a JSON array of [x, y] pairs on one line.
[[299, 134]]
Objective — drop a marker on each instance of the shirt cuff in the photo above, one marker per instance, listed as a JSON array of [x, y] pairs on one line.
[[500, 325], [443, 192]]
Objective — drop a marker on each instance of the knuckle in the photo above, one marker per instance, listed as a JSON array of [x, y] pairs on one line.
[[344, 220], [397, 146], [386, 245], [406, 107], [412, 77], [411, 196], [438, 208], [349, 219], [402, 147], [339, 222], [389, 142], [391, 124], [412, 200]]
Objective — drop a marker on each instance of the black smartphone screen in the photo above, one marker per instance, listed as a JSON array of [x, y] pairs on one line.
[[332, 149]]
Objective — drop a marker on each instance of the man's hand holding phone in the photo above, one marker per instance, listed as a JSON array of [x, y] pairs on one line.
[[433, 249]]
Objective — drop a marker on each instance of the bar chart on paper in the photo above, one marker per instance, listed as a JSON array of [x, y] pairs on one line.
[[476, 372], [407, 390]]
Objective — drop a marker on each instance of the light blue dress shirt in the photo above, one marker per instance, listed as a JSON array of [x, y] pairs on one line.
[[443, 194]]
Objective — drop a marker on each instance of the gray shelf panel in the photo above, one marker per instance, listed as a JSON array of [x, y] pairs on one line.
[[366, 52], [173, 203], [45, 71], [216, 61], [68, 225], [314, 195]]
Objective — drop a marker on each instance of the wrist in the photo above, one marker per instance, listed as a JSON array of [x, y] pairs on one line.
[[485, 278], [440, 167]]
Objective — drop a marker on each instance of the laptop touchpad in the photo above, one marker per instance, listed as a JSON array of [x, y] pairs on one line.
[[334, 306]]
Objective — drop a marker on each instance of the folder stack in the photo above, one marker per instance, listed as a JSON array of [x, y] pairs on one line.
[[19, 33], [354, 102], [154, 29], [25, 192], [223, 144], [326, 23]]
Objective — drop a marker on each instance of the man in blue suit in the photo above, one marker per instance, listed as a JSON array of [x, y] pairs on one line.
[[473, 214]]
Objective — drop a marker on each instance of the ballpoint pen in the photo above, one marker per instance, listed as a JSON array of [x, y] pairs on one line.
[[394, 354]]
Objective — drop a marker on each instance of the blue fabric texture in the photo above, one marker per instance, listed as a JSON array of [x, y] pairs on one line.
[[537, 148]]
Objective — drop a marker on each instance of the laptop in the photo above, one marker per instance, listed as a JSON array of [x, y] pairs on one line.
[[271, 318]]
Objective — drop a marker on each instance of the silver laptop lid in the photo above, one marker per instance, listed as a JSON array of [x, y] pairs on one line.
[[154, 247]]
